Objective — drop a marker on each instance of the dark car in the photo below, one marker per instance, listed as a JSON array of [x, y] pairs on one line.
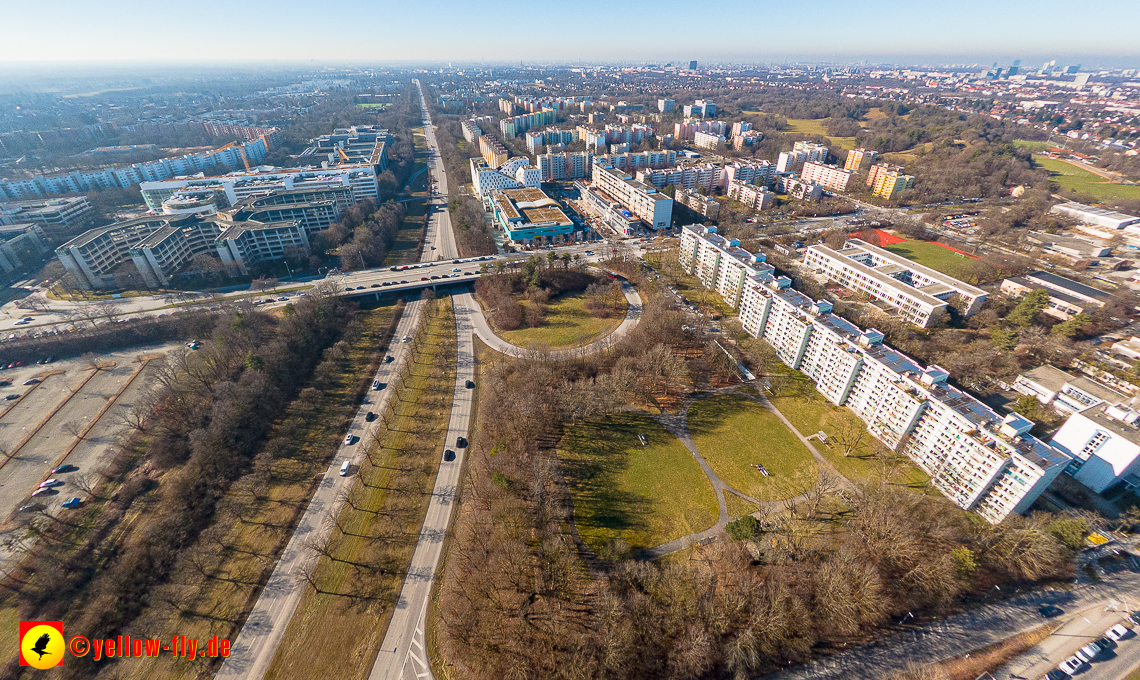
[[12, 397], [386, 283], [1057, 674], [461, 442], [1105, 644], [470, 384], [369, 417], [389, 359], [455, 262], [360, 288], [449, 455], [349, 288], [64, 468], [434, 278], [1050, 611], [375, 285], [5, 383]]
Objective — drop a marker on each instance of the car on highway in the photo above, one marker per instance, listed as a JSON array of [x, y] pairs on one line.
[[448, 455], [375, 285], [455, 261], [1117, 632], [283, 298], [72, 503], [1071, 665], [461, 442], [369, 417], [394, 269], [376, 385], [389, 359], [360, 288], [433, 278], [456, 269], [349, 289], [423, 278], [50, 483], [404, 281], [349, 439], [63, 468], [386, 283], [344, 467], [470, 384]]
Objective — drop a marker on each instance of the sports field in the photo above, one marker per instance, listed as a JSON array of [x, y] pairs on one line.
[[1069, 176]]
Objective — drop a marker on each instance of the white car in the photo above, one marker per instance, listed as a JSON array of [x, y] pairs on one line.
[[1117, 632], [1088, 652], [1071, 665], [348, 439]]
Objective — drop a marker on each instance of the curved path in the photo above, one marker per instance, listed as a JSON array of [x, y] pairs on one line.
[[632, 316]]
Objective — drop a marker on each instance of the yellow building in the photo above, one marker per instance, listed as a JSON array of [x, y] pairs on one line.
[[857, 157], [493, 152]]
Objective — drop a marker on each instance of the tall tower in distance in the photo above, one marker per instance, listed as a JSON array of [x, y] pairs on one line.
[[693, 65]]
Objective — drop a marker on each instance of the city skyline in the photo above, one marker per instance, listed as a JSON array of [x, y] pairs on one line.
[[279, 32]]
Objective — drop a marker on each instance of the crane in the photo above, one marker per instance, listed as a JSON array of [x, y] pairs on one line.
[[343, 154]]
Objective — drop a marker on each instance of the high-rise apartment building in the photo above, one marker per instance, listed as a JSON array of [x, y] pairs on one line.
[[653, 208], [982, 461], [857, 158], [564, 165], [889, 184], [665, 105], [493, 151], [829, 176]]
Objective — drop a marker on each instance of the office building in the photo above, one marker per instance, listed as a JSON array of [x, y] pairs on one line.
[[516, 173], [757, 197], [1066, 393], [857, 158], [983, 462], [1067, 298], [700, 107], [654, 208], [244, 244], [313, 209], [359, 177], [59, 217], [356, 145], [692, 65], [21, 246], [527, 215], [919, 293], [828, 176], [708, 140], [704, 206], [1104, 441], [888, 181], [493, 151], [1090, 214], [564, 165], [665, 105]]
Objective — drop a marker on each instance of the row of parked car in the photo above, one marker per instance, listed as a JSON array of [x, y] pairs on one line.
[[1095, 650]]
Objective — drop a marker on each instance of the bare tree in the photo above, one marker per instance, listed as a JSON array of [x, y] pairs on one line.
[[849, 434]]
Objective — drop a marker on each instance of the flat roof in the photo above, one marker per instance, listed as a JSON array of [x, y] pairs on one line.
[[546, 214], [874, 273], [527, 195], [1049, 377], [1097, 415], [1050, 279], [916, 267]]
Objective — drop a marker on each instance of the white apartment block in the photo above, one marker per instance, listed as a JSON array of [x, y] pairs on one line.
[[1066, 393], [981, 461], [791, 161], [920, 294], [564, 165], [689, 176], [830, 176], [514, 174], [720, 263], [689, 128], [653, 208], [707, 140], [740, 128], [754, 172], [633, 161], [1104, 441], [471, 130], [752, 195], [816, 153]]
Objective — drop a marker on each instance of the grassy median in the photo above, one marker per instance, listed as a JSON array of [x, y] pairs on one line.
[[567, 324], [342, 618]]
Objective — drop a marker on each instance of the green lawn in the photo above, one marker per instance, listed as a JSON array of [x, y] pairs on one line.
[[816, 126], [1069, 176], [733, 432], [936, 257], [372, 106], [567, 324], [809, 412], [644, 495], [1032, 146], [737, 507]]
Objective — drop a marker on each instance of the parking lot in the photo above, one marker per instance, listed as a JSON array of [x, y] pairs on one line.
[[1078, 631], [67, 418]]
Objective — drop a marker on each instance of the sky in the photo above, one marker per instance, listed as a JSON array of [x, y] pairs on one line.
[[375, 31]]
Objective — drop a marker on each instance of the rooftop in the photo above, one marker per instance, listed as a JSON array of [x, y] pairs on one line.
[[1049, 377], [1052, 280]]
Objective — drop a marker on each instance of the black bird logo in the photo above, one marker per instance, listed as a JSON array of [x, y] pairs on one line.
[[41, 645]]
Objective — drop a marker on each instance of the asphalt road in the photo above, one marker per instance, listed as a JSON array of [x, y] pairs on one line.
[[402, 654]]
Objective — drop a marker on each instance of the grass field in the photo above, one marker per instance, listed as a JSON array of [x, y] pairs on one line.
[[644, 495], [737, 507], [1032, 145], [1069, 176], [372, 106], [337, 632], [935, 257], [733, 432], [665, 262], [818, 126], [567, 324], [809, 412]]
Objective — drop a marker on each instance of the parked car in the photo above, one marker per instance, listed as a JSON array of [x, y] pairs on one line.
[[1057, 674], [12, 397], [51, 483], [349, 439], [1050, 611], [68, 467], [29, 507], [1117, 632], [389, 359], [32, 381], [448, 455], [1088, 652], [376, 385], [470, 384], [461, 442], [1071, 665], [72, 503], [45, 491], [369, 417], [1105, 644], [344, 468]]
